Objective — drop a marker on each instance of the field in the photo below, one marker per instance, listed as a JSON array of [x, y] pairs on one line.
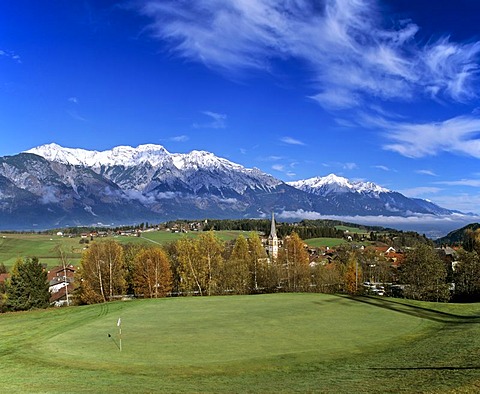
[[13, 246], [244, 344], [322, 242]]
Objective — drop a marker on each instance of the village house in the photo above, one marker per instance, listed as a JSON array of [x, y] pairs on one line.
[[61, 281]]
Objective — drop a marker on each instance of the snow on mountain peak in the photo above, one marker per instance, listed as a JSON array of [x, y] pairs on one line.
[[120, 155], [337, 184]]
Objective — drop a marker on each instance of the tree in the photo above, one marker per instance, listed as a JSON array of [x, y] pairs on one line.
[[152, 274], [210, 256], [327, 278], [190, 270], [353, 275], [28, 286], [101, 273], [236, 274], [258, 262], [424, 274], [467, 276], [296, 262]]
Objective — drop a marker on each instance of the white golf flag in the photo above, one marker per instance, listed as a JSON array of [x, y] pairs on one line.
[[119, 322]]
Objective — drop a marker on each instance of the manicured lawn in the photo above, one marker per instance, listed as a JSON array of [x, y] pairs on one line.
[[264, 343]]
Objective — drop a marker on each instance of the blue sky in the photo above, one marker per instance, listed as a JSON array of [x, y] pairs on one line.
[[384, 91]]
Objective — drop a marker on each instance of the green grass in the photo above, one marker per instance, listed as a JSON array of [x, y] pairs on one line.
[[322, 242], [16, 245], [351, 229], [244, 344]]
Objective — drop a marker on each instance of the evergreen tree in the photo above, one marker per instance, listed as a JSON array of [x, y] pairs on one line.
[[28, 286]]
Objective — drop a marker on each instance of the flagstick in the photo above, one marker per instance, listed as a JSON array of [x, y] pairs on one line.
[[119, 324]]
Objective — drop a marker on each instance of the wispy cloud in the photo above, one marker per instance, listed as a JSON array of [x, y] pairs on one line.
[[278, 167], [350, 166], [180, 138], [459, 135], [426, 172], [10, 55], [351, 52], [420, 191], [75, 115], [291, 141], [383, 168], [461, 182], [73, 100], [217, 121]]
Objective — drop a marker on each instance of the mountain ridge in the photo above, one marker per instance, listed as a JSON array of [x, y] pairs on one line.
[[56, 186]]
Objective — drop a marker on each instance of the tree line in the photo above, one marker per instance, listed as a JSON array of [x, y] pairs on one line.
[[206, 265]]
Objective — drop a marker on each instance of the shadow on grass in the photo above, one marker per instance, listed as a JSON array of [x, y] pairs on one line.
[[439, 368], [414, 310]]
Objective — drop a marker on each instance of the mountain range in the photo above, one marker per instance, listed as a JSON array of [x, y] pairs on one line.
[[52, 186]]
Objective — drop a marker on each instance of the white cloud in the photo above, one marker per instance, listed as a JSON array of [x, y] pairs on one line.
[[432, 225], [218, 121], [73, 100], [278, 167], [461, 182], [346, 43], [459, 135], [350, 166], [180, 138], [420, 191], [10, 55], [291, 141], [383, 168], [426, 172]]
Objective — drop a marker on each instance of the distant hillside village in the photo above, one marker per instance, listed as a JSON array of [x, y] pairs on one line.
[[263, 257]]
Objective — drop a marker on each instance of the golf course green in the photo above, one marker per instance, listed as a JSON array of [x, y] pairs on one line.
[[243, 344]]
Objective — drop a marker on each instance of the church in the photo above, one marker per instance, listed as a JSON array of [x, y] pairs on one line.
[[272, 242]]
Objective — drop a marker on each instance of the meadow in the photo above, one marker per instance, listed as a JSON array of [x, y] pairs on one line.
[[244, 344], [45, 247]]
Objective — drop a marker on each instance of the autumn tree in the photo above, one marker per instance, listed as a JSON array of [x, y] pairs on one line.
[[236, 273], [189, 268], [258, 262], [327, 278], [210, 256], [152, 273], [130, 252], [424, 274], [101, 274], [296, 263], [28, 286], [352, 277]]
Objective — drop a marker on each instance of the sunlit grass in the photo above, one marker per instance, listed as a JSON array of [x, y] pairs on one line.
[[265, 343]]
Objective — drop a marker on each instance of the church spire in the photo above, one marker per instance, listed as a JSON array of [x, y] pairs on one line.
[[273, 229], [273, 240]]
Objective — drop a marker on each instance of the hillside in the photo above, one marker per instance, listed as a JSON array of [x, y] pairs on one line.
[[456, 237]]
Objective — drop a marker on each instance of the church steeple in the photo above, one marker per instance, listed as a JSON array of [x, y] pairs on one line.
[[273, 229], [273, 240]]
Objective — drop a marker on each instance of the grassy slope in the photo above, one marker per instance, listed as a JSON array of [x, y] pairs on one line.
[[267, 343]]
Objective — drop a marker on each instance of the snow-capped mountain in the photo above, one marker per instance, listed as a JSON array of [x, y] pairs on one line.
[[149, 167], [51, 186], [367, 197], [332, 183]]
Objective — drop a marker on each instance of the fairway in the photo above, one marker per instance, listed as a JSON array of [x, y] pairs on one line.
[[264, 343]]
